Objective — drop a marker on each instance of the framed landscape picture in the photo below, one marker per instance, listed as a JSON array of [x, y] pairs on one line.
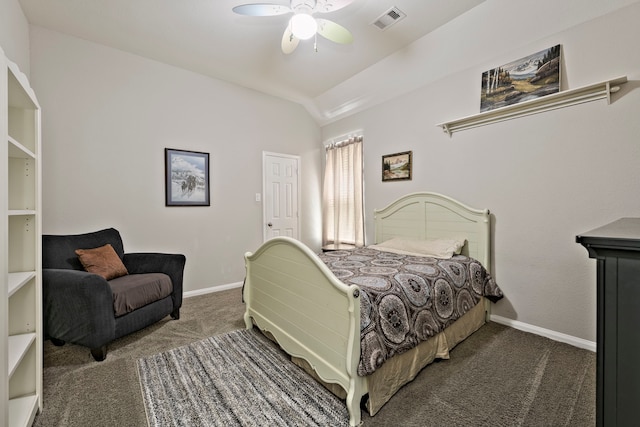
[[527, 78], [186, 178], [397, 166]]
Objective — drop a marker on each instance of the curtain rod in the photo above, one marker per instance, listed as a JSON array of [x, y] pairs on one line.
[[334, 142]]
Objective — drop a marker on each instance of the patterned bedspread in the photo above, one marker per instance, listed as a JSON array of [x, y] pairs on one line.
[[407, 299]]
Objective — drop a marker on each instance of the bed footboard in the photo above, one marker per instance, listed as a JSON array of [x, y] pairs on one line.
[[290, 293]]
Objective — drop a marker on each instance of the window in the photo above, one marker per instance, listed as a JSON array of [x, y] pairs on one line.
[[342, 195]]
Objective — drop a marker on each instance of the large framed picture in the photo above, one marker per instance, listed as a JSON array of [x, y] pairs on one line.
[[397, 166], [186, 178], [527, 78]]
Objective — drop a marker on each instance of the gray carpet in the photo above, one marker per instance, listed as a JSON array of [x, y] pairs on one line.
[[235, 379], [497, 377]]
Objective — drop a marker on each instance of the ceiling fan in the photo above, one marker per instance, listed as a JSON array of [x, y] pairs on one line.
[[303, 25]]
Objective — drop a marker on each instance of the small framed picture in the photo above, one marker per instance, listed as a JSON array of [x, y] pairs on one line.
[[186, 178], [397, 166]]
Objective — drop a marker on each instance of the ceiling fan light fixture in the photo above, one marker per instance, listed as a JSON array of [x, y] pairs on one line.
[[303, 26]]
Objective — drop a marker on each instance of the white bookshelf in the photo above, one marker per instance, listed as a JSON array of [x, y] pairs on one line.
[[20, 254]]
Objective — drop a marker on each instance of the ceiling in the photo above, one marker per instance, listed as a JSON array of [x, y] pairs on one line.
[[207, 37]]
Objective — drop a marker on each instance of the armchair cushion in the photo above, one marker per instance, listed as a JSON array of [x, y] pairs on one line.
[[137, 290], [103, 261]]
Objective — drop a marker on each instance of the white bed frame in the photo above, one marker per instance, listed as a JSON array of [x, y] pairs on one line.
[[290, 293]]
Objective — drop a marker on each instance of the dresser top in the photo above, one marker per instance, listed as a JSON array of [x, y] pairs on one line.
[[623, 234], [624, 228]]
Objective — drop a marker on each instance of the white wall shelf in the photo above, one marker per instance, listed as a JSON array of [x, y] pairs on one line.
[[19, 279], [18, 347], [567, 98], [18, 150], [19, 212], [22, 405]]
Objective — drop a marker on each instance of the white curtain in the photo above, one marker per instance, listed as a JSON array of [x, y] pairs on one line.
[[342, 196]]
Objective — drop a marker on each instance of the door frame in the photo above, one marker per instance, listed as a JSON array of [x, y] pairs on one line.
[[265, 155]]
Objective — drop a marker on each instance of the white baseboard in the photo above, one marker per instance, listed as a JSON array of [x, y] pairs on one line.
[[210, 289], [548, 333]]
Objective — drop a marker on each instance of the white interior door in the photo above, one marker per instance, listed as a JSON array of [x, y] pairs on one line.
[[281, 186]]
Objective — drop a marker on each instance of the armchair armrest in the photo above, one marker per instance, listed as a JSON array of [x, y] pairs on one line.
[[77, 307], [151, 262]]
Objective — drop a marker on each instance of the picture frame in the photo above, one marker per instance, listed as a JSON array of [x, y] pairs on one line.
[[186, 178], [527, 78], [397, 166]]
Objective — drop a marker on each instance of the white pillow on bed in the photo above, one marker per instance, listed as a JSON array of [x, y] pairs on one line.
[[436, 248]]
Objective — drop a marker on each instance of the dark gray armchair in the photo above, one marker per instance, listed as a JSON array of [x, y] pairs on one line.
[[79, 307]]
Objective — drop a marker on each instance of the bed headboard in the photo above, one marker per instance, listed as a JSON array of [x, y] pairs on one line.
[[431, 216]]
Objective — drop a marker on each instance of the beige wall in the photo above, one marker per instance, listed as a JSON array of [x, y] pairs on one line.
[[107, 118], [14, 34], [545, 178]]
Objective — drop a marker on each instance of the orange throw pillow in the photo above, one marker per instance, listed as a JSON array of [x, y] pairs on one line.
[[103, 261]]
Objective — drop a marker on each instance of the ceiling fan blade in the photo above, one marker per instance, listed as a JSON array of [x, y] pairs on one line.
[[289, 41], [334, 32], [262, 9], [324, 6]]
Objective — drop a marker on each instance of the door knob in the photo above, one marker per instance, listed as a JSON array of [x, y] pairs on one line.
[[269, 224]]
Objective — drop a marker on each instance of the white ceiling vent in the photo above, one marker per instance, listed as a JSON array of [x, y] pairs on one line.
[[389, 18]]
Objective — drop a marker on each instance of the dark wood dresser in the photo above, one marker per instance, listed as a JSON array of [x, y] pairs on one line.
[[616, 247]]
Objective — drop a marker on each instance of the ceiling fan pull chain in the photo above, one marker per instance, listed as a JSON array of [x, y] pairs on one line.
[[315, 43]]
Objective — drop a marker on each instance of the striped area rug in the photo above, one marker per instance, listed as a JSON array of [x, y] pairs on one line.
[[235, 379]]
